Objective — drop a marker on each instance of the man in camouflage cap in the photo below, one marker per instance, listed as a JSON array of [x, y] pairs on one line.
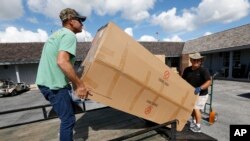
[[69, 13], [56, 70]]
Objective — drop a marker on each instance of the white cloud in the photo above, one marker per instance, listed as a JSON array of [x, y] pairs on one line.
[[109, 7], [134, 10], [129, 31], [208, 11], [207, 33], [169, 21], [12, 34], [147, 38], [52, 8], [222, 10], [174, 38], [84, 36], [11, 9]]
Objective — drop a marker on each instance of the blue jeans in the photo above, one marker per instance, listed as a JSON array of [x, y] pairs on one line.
[[64, 108]]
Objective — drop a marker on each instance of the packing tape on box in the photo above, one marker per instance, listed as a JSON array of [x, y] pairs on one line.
[[107, 51], [113, 83], [140, 91], [123, 58], [90, 82], [95, 92], [137, 96]]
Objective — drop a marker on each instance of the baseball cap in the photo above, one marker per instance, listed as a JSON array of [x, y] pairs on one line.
[[69, 13]]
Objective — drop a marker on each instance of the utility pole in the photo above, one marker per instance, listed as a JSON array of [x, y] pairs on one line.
[[157, 36]]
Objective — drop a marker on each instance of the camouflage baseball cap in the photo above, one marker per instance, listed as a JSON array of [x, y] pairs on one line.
[[69, 13]]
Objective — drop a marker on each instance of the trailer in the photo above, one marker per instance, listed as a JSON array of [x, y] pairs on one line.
[[104, 124]]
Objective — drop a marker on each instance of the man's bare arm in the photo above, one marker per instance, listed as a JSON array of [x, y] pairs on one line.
[[63, 61], [206, 84]]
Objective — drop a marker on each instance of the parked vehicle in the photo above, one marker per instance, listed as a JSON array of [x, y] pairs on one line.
[[11, 88]]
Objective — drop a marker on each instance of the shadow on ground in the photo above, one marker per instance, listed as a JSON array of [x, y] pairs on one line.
[[105, 120], [245, 95]]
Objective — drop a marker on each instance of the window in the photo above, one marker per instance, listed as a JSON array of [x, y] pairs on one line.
[[236, 59], [6, 67], [225, 59]]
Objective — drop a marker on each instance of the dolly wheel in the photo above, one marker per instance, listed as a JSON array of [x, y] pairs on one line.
[[213, 117], [216, 117]]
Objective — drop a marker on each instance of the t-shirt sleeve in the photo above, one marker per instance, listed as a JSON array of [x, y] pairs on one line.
[[184, 74], [68, 43], [206, 74]]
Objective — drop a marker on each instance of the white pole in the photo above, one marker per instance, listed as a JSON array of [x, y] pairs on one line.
[[17, 74]]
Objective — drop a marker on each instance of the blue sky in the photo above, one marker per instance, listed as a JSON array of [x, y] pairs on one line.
[[173, 20]]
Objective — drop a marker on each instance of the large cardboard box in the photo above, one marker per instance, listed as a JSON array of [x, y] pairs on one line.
[[124, 75]]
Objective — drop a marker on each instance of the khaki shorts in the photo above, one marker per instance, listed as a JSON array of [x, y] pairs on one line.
[[201, 101]]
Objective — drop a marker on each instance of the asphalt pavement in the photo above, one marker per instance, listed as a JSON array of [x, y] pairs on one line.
[[231, 101]]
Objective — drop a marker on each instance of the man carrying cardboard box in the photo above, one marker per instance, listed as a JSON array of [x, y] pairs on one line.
[[56, 70]]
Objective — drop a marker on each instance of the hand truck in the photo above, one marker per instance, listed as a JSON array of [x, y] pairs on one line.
[[208, 109]]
